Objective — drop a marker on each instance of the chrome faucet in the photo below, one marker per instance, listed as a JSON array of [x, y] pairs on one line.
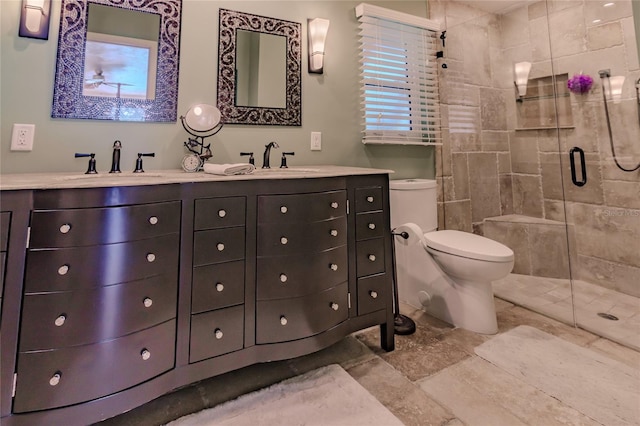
[[267, 153], [115, 158]]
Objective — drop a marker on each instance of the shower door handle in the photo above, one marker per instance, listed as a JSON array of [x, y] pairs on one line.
[[583, 166]]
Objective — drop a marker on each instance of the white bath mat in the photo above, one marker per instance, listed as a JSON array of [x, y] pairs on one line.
[[593, 384], [323, 397]]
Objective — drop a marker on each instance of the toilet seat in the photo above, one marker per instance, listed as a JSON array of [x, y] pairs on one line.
[[468, 245]]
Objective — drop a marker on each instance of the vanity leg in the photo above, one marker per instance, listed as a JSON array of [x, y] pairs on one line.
[[387, 341]]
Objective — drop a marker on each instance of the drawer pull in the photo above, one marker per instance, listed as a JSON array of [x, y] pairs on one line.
[[220, 247], [219, 286], [218, 334], [334, 232], [283, 278], [222, 213], [369, 199], [334, 205], [59, 322], [334, 306], [283, 240], [283, 320], [55, 379], [63, 270], [333, 267], [283, 209], [147, 302], [372, 226], [145, 354], [153, 220], [65, 228], [151, 257], [372, 257], [373, 294]]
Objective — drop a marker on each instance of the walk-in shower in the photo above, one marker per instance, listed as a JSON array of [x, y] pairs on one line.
[[505, 169]]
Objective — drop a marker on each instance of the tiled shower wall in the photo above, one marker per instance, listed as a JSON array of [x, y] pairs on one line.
[[488, 168]]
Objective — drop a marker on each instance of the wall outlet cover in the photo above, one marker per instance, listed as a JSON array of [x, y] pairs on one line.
[[22, 137]]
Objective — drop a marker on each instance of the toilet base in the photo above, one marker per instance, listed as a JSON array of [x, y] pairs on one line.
[[472, 307]]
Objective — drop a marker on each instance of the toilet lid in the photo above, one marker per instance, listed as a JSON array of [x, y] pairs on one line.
[[468, 245]]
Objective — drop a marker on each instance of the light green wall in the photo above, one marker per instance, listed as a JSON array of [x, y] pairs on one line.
[[330, 101]]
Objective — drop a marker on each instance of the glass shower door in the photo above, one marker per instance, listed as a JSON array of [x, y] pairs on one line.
[[594, 46]]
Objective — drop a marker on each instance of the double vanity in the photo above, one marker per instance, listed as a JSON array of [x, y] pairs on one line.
[[120, 288]]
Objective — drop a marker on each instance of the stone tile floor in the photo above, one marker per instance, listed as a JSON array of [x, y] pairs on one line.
[[407, 380], [553, 297]]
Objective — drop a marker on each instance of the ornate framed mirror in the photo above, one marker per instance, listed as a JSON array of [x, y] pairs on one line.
[[259, 70], [118, 60]]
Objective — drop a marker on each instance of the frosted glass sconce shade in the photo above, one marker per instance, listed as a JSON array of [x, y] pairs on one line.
[[34, 19], [615, 88], [522, 77], [317, 34]]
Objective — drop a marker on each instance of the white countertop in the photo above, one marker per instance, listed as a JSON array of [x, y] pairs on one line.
[[19, 181]]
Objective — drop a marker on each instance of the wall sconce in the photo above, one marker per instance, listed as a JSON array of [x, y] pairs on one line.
[[317, 34], [522, 77], [612, 91], [615, 88], [34, 19]]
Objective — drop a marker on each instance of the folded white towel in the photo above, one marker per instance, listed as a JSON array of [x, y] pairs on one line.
[[229, 169]]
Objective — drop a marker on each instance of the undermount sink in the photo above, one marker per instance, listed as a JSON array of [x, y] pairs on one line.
[[95, 176], [288, 170]]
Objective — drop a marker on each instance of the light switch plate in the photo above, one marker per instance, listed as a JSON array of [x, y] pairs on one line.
[[316, 141]]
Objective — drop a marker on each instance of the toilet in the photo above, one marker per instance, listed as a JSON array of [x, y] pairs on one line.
[[446, 273]]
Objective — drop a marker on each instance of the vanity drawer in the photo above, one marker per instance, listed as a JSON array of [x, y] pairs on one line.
[[372, 293], [84, 267], [50, 379], [280, 277], [109, 225], [311, 207], [218, 245], [223, 212], [368, 199], [291, 239], [217, 286], [216, 333], [369, 257], [5, 221], [369, 225], [62, 319], [290, 319]]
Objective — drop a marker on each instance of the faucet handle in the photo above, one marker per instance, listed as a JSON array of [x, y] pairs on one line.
[[91, 169], [139, 161], [251, 159], [283, 163]]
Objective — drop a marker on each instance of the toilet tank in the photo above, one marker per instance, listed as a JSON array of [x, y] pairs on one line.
[[414, 200]]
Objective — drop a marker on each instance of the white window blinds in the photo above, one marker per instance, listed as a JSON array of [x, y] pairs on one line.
[[398, 76]]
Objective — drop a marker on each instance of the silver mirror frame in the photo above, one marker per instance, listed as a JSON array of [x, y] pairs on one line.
[[68, 100], [229, 22]]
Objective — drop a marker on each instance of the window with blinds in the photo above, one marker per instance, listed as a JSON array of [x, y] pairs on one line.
[[399, 77]]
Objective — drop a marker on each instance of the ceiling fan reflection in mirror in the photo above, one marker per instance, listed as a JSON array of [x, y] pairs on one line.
[[201, 121], [97, 81]]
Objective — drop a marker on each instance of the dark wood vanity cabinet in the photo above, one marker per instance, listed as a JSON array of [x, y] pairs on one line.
[[5, 220], [100, 290], [218, 283], [299, 237], [125, 293]]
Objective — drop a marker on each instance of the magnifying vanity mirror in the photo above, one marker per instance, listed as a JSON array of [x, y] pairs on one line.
[[259, 70], [118, 60]]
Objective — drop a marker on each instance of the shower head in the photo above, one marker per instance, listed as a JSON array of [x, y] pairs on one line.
[[604, 73]]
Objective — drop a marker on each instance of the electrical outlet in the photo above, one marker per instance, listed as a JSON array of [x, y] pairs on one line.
[[316, 141], [22, 137]]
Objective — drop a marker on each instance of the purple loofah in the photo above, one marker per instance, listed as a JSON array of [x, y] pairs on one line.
[[580, 83]]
